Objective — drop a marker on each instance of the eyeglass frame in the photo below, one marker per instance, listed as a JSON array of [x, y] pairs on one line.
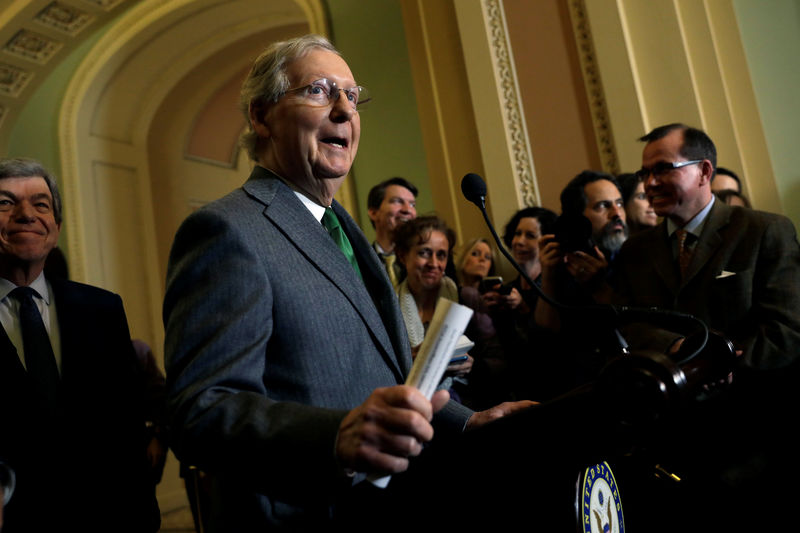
[[334, 89], [666, 166]]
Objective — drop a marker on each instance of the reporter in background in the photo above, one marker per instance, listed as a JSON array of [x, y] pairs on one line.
[[639, 214], [572, 270], [525, 345], [474, 266], [475, 262], [423, 246], [573, 266], [521, 236]]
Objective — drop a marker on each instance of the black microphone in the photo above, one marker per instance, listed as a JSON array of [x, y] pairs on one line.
[[474, 189]]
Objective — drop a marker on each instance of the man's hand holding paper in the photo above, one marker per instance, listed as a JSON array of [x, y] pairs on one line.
[[381, 434]]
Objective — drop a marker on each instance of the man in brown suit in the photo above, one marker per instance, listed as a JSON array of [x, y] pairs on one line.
[[738, 270], [741, 271]]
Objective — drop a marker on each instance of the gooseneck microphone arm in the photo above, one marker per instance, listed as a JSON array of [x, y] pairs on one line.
[[474, 189]]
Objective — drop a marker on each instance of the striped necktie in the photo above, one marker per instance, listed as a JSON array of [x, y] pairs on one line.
[[684, 253]]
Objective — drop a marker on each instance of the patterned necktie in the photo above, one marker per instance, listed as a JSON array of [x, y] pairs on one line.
[[39, 359], [389, 260], [331, 223], [684, 253]]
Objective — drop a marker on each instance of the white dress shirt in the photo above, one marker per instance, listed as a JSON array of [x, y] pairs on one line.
[[9, 316]]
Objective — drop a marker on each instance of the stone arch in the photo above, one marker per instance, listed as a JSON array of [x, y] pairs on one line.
[[111, 109]]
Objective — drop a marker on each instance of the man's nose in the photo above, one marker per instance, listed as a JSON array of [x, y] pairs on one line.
[[24, 211], [342, 109]]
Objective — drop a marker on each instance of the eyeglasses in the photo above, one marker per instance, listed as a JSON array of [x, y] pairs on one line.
[[660, 169], [324, 92]]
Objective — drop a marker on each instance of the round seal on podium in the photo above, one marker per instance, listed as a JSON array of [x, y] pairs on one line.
[[600, 507]]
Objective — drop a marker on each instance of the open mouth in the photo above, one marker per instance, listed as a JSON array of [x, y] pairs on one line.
[[336, 142]]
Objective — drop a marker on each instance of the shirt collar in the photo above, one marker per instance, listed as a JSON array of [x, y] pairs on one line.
[[694, 226], [39, 285], [379, 249], [316, 209]]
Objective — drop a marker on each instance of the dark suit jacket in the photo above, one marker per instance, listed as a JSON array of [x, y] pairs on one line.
[[731, 450], [743, 280], [270, 339], [85, 465]]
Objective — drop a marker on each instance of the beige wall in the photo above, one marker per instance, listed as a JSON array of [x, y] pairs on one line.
[[552, 88]]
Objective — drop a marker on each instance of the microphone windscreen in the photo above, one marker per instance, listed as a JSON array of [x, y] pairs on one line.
[[474, 188]]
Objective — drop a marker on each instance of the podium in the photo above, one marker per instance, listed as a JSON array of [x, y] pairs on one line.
[[679, 446]]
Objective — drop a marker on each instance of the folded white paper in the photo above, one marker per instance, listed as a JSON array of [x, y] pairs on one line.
[[444, 332]]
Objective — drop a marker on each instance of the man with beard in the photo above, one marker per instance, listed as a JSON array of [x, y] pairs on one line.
[[598, 197], [572, 274], [389, 204]]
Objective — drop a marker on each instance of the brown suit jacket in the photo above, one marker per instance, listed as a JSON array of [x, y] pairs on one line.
[[743, 280]]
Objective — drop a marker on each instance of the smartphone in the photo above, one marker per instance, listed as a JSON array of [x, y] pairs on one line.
[[490, 283], [505, 290], [458, 359]]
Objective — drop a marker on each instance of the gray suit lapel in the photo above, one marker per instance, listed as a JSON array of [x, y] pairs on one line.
[[286, 211]]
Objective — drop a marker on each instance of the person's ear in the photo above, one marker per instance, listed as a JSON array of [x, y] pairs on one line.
[[257, 114], [706, 171], [373, 214]]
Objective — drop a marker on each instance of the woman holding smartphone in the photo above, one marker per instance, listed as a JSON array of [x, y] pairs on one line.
[[512, 306]]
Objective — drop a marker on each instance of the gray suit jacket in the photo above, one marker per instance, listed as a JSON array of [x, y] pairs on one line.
[[743, 280], [271, 338]]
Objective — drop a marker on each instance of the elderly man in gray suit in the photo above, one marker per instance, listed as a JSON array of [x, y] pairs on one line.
[[285, 347]]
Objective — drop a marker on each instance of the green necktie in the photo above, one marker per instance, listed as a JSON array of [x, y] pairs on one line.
[[331, 223]]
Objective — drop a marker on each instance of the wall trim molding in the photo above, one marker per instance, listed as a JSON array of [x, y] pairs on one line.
[[511, 103], [595, 94]]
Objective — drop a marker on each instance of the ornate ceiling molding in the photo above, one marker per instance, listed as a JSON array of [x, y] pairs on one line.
[[33, 41]]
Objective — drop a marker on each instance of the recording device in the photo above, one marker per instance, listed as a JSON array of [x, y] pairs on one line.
[[490, 283], [574, 234]]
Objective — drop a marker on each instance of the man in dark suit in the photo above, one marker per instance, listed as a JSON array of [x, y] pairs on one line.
[[285, 346], [72, 426], [738, 270]]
